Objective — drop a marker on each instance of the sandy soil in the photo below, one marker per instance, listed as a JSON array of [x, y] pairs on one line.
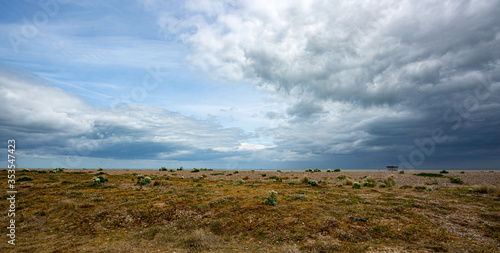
[[469, 177]]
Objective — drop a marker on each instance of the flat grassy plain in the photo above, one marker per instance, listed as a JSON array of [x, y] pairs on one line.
[[224, 211]]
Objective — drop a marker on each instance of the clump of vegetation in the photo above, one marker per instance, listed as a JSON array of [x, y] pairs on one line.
[[272, 200], [401, 172], [181, 168], [304, 180], [348, 181], [163, 169], [142, 180], [98, 180], [236, 172], [356, 185], [171, 170], [342, 177], [21, 179], [390, 181], [456, 180], [58, 170], [218, 174], [316, 170], [337, 170], [195, 170], [444, 172], [43, 171], [100, 169], [462, 172], [420, 187], [312, 183], [382, 185], [263, 174], [100, 173], [428, 175], [24, 170], [309, 170], [328, 170], [278, 171], [276, 178], [369, 182]]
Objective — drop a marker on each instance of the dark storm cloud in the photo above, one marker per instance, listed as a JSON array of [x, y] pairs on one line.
[[377, 77]]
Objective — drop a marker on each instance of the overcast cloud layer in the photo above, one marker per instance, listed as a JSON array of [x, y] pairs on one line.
[[353, 84]]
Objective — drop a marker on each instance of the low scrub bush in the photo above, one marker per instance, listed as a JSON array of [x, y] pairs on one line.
[[402, 172], [342, 177], [21, 179], [389, 181], [348, 181], [272, 200], [456, 180], [356, 185], [163, 169], [304, 180], [58, 170], [428, 175], [312, 183], [444, 172], [100, 169], [195, 170], [336, 170], [98, 180]]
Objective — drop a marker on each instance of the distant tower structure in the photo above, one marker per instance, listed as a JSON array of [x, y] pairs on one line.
[[392, 168]]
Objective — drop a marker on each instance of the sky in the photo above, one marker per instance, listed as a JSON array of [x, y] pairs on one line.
[[250, 84]]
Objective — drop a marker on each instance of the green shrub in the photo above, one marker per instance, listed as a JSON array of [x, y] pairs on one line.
[[336, 170], [462, 172], [58, 170], [181, 168], [444, 172], [142, 180], [195, 170], [21, 179], [100, 169], [456, 180], [328, 170], [272, 200], [100, 173], [291, 183], [428, 175], [171, 170], [382, 185], [263, 174], [316, 170], [369, 184], [278, 170], [98, 180], [356, 185], [312, 183], [24, 170], [309, 170], [402, 172], [236, 172], [163, 169], [43, 171], [342, 177]]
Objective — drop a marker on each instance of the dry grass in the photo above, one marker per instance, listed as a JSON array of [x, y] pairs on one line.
[[64, 212]]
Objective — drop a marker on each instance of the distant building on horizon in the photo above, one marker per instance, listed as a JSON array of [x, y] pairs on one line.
[[392, 168]]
